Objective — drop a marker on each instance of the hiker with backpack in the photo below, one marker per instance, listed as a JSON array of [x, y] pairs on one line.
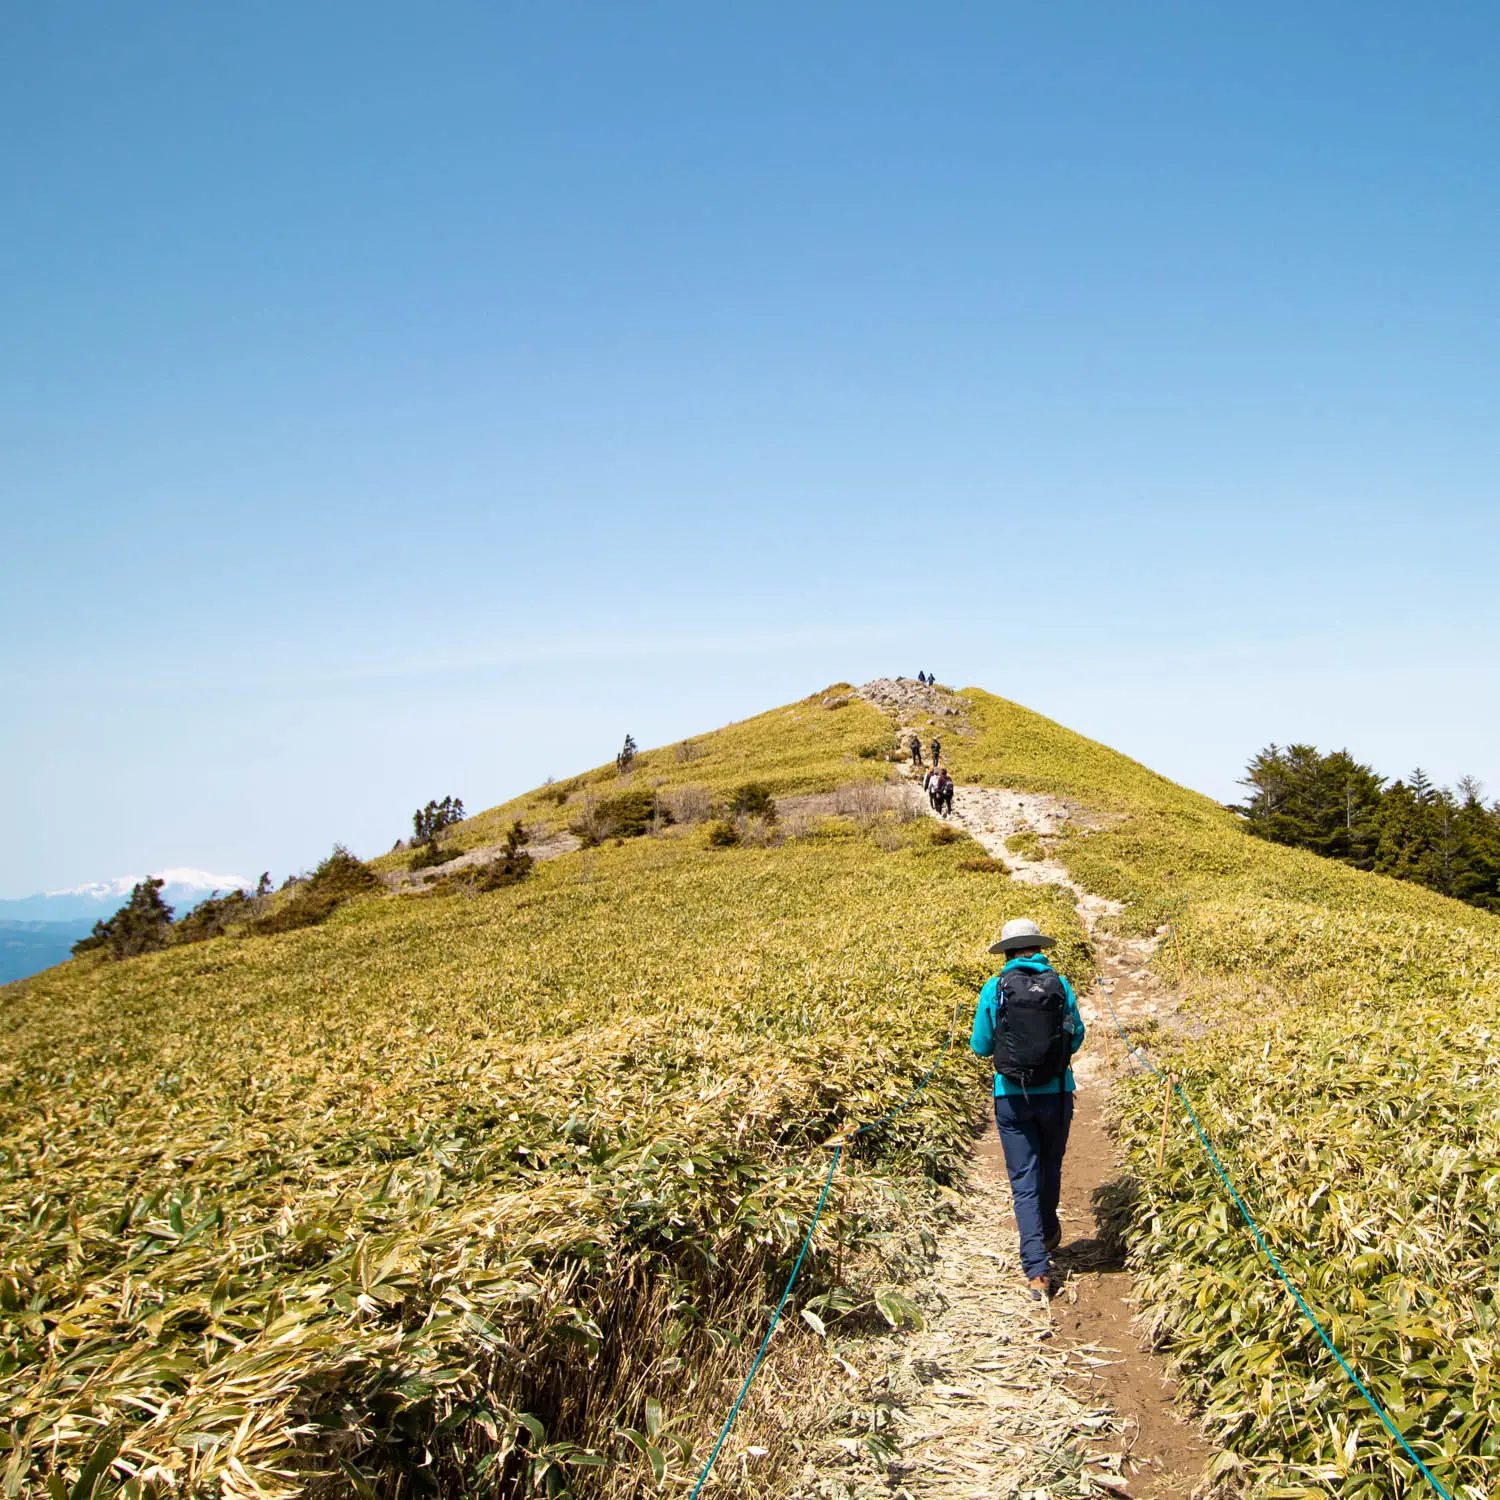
[[916, 750], [937, 749], [943, 799], [1028, 1023]]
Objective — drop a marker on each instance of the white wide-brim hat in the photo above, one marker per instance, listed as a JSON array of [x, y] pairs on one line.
[[1021, 933]]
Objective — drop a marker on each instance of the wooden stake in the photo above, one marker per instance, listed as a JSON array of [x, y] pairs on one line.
[[1177, 949], [1169, 1082]]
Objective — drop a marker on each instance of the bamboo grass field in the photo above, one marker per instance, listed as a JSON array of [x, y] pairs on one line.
[[487, 1194], [469, 1194]]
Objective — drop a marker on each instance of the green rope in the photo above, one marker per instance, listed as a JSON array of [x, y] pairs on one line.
[[760, 1353]]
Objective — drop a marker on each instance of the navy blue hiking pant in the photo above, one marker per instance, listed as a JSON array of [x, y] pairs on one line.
[[1034, 1135]]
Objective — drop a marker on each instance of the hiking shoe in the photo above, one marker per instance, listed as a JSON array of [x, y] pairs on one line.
[[1041, 1288]]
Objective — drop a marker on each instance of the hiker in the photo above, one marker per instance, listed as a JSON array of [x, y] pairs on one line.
[[937, 749], [930, 786], [916, 751], [1029, 1023], [944, 792]]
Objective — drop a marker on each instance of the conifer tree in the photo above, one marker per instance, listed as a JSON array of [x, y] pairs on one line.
[[142, 925]]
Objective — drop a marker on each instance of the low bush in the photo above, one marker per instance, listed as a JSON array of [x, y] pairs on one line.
[[685, 804], [509, 869], [625, 816], [339, 878], [215, 916], [425, 856], [754, 800], [984, 864], [722, 834], [868, 801], [303, 909], [757, 833], [946, 833]]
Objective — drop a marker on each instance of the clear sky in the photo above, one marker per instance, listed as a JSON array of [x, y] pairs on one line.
[[404, 400]]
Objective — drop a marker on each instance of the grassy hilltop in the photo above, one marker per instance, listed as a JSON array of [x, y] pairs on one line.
[[462, 1193]]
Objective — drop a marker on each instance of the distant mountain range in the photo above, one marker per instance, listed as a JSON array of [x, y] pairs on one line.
[[39, 931]]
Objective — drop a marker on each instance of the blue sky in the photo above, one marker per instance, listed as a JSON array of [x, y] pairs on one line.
[[406, 400]]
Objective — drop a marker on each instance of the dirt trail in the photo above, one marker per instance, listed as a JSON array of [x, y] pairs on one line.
[[996, 1397], [1166, 1455]]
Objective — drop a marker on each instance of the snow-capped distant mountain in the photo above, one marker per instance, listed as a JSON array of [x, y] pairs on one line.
[[183, 890]]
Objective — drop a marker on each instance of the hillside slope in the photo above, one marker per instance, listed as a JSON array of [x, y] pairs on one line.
[[469, 1191], [481, 1194]]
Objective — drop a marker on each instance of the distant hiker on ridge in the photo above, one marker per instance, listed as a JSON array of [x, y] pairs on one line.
[[1029, 1024]]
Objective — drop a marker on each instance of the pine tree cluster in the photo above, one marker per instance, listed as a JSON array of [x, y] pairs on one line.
[[1335, 805], [427, 822]]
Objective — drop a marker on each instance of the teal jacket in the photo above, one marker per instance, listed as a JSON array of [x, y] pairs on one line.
[[983, 1040]]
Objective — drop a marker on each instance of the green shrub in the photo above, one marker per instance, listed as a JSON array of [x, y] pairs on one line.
[[302, 908], [425, 856], [946, 833], [215, 916], [983, 864], [625, 816], [754, 800], [339, 878], [509, 869], [722, 834], [343, 874]]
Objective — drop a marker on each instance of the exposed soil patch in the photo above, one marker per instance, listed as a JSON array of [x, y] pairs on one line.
[[407, 881]]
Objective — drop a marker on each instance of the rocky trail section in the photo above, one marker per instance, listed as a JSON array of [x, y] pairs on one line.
[[996, 1397]]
